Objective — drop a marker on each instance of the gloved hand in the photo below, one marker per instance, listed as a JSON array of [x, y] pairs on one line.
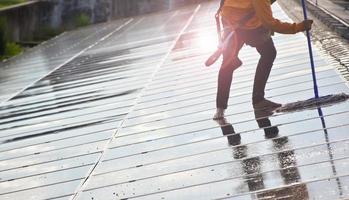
[[307, 24]]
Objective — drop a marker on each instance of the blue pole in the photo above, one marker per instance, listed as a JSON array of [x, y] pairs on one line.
[[310, 53]]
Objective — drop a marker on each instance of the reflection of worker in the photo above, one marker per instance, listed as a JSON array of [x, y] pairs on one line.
[[252, 165], [256, 32]]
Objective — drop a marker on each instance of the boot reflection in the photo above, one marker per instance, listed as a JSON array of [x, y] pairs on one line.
[[264, 122], [287, 163], [228, 130], [250, 166], [253, 175]]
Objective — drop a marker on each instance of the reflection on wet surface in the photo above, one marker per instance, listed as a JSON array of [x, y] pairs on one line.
[[252, 166], [130, 118]]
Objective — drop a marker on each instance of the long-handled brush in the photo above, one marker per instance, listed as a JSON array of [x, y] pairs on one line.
[[316, 101]]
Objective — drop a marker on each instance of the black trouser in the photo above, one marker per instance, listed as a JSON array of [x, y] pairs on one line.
[[265, 47]]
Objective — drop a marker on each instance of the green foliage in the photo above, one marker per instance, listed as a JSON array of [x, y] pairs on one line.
[[5, 3], [82, 20], [12, 49]]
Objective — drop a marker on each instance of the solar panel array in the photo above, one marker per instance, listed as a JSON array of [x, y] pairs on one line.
[[130, 117]]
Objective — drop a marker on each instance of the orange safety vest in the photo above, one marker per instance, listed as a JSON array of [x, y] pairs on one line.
[[234, 10]]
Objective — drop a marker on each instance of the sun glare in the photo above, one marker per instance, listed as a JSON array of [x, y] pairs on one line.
[[207, 42]]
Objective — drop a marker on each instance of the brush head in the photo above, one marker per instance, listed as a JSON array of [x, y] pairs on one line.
[[314, 103]]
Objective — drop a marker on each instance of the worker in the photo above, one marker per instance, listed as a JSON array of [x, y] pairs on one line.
[[255, 32]]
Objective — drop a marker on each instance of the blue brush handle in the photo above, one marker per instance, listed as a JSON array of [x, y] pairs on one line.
[[316, 91]]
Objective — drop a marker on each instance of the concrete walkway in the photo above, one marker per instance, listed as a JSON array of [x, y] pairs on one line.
[[130, 117]]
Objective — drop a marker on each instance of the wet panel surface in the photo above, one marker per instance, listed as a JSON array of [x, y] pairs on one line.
[[131, 118], [54, 132], [170, 144]]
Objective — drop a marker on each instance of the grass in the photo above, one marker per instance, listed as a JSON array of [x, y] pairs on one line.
[[6, 3], [11, 50]]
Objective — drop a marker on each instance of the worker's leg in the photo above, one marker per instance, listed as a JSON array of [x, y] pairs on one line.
[[268, 53], [224, 81], [229, 64], [260, 38], [226, 72], [233, 48]]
